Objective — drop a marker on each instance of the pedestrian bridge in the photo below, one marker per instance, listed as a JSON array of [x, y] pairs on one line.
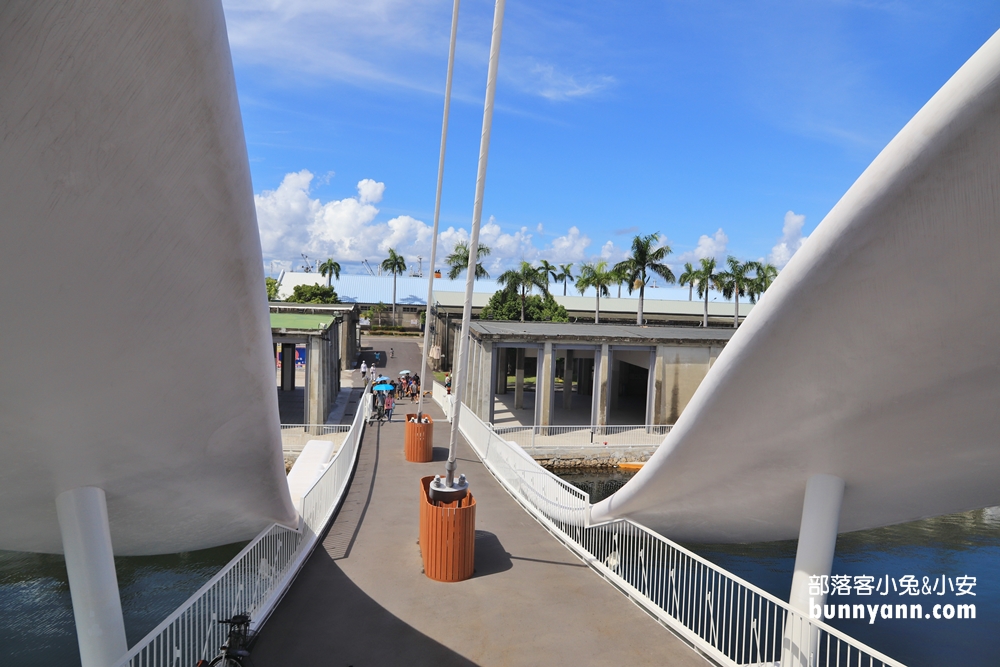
[[861, 391]]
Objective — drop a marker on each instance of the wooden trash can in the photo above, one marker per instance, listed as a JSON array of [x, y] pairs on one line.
[[418, 439], [447, 536]]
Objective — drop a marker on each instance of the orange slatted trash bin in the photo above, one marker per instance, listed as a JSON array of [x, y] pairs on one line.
[[418, 439], [447, 536]]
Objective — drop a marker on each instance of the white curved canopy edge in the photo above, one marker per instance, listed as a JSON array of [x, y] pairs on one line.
[[874, 356], [133, 318]]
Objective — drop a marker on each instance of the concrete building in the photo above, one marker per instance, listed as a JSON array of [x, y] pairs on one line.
[[587, 373], [446, 317], [329, 334]]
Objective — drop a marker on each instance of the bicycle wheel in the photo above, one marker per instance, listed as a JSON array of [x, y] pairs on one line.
[[226, 661]]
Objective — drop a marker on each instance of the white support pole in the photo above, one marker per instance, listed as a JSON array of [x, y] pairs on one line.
[[93, 584], [428, 322], [817, 537], [461, 359], [813, 558]]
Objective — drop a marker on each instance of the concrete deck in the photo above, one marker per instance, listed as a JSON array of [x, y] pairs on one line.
[[363, 600]]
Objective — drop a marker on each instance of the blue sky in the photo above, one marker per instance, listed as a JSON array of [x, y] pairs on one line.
[[728, 127]]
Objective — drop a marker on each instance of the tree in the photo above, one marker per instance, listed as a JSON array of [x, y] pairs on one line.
[[550, 272], [737, 281], [689, 278], [376, 311], [506, 305], [396, 265], [458, 260], [766, 273], [313, 294], [329, 269], [522, 280], [565, 275], [595, 275], [619, 278], [272, 289], [645, 258], [706, 279]]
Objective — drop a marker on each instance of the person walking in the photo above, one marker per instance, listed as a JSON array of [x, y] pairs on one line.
[[364, 369], [447, 383], [390, 403]]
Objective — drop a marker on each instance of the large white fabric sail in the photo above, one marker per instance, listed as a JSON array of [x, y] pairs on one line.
[[874, 357]]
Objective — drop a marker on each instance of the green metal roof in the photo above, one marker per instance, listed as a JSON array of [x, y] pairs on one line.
[[300, 321]]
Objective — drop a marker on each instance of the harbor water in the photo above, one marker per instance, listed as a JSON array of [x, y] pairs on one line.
[[36, 615]]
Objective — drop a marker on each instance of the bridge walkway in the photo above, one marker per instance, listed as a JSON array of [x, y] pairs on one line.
[[363, 600]]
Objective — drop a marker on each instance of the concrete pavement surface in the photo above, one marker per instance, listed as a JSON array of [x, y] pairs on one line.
[[362, 600]]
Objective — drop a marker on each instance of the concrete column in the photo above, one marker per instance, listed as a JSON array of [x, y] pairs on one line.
[[658, 370], [817, 537], [93, 584], [545, 384], [288, 366], [315, 384], [651, 387], [519, 379], [602, 363], [568, 367], [494, 361]]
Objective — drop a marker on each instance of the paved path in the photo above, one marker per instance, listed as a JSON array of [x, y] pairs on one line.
[[362, 600]]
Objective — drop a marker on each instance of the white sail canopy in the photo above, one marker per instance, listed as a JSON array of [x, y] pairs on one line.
[[875, 355], [136, 351]]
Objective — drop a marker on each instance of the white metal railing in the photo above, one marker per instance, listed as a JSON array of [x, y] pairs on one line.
[[254, 581], [729, 620], [295, 436], [530, 438], [444, 400]]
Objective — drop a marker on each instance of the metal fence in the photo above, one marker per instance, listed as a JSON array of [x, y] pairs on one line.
[[257, 577], [729, 620], [295, 436], [534, 437]]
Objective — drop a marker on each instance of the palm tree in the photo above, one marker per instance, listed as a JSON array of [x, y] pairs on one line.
[[522, 280], [565, 275], [329, 269], [689, 278], [458, 260], [646, 258], [549, 270], [596, 275], [618, 278], [736, 282], [706, 279], [396, 265], [766, 273]]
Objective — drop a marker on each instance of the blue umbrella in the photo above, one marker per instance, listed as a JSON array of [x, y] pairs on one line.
[[383, 387], [380, 378]]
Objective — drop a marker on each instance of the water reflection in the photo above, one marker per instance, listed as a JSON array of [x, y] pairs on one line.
[[36, 614], [954, 545]]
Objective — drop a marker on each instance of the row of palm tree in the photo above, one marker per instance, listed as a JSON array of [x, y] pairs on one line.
[[747, 279], [738, 279]]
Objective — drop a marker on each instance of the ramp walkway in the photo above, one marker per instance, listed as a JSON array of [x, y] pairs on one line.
[[362, 598]]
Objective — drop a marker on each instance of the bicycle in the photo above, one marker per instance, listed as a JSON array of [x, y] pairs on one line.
[[236, 651]]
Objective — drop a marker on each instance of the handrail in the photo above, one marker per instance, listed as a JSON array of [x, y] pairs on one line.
[[258, 576], [727, 619]]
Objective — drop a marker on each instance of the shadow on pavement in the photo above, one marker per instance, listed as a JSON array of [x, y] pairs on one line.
[[334, 623], [491, 557]]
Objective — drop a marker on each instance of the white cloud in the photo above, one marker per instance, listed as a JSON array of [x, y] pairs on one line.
[[370, 192], [571, 247], [292, 222], [791, 240], [708, 246], [611, 253]]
